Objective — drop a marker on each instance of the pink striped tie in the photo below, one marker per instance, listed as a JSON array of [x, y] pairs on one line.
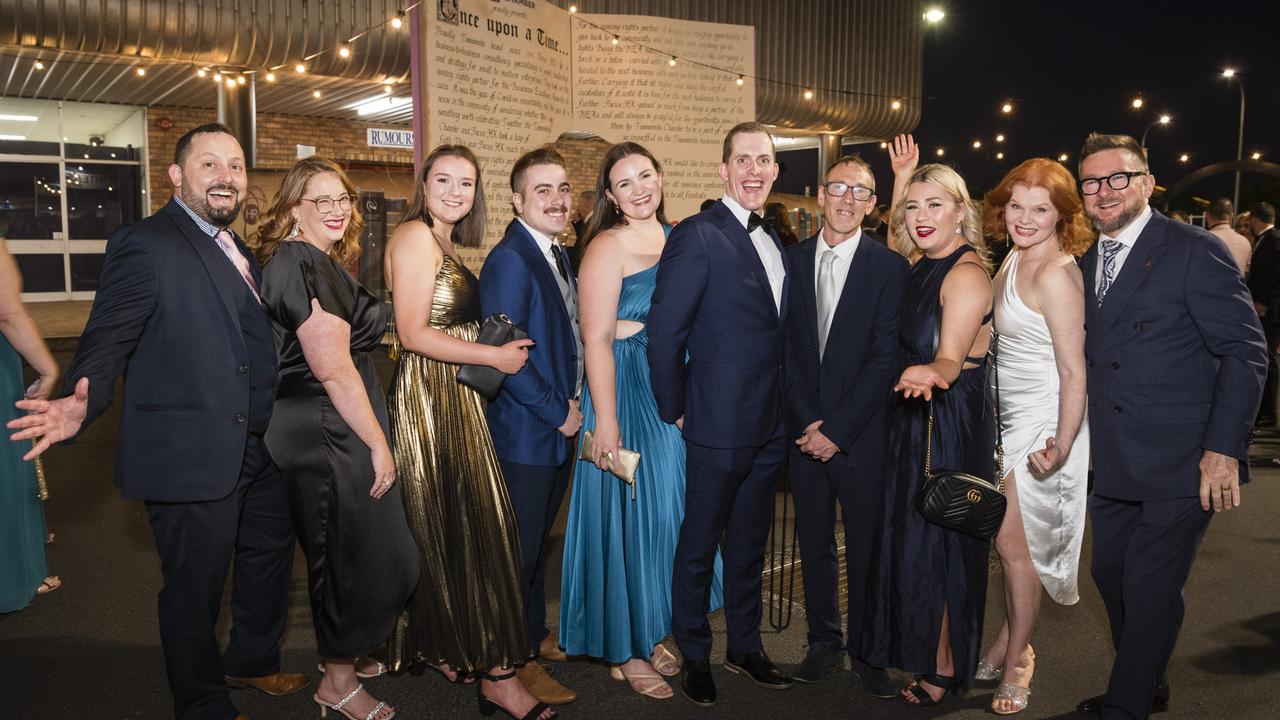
[[233, 253]]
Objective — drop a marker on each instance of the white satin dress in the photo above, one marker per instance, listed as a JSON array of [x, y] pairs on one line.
[[1053, 506]]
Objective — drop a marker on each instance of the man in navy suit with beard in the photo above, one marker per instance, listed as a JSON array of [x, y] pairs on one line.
[[1175, 359], [843, 342], [177, 314], [721, 300]]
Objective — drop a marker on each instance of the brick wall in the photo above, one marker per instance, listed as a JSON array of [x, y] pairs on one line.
[[278, 138]]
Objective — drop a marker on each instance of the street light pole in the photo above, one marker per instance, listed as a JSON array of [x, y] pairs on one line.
[[1162, 120], [1230, 75]]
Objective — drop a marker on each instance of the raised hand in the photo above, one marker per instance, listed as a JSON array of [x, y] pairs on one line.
[[904, 155], [51, 420]]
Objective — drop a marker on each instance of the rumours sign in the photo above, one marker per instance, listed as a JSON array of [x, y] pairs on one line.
[[390, 138]]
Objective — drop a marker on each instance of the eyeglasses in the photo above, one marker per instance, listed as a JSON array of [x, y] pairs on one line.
[[838, 189], [325, 205], [1115, 181]]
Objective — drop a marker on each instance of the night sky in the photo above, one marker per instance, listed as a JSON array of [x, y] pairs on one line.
[[1070, 68]]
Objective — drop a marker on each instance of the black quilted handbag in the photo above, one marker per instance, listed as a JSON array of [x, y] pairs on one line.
[[957, 500]]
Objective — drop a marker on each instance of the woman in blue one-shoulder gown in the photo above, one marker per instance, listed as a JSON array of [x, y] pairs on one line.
[[615, 596], [22, 531]]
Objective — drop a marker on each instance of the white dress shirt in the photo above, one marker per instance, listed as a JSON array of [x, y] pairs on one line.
[[839, 268], [1126, 238], [770, 255]]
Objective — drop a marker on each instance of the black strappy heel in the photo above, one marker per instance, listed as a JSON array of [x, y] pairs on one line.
[[488, 707], [946, 684]]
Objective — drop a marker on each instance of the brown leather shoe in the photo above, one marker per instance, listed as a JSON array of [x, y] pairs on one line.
[[278, 684], [242, 716], [542, 686], [549, 649]]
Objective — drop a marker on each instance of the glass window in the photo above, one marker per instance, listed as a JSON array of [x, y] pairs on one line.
[[101, 198], [98, 131], [30, 201], [41, 272], [86, 268]]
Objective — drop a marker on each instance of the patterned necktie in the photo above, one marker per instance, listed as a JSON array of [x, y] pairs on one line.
[[233, 254], [558, 254], [826, 297], [1110, 250]]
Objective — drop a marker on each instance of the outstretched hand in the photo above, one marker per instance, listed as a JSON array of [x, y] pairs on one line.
[[52, 421], [919, 381], [904, 155]]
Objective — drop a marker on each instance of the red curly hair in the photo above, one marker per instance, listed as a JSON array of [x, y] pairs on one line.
[[1075, 234]]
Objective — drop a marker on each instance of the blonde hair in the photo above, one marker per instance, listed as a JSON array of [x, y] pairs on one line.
[[953, 185], [279, 217]]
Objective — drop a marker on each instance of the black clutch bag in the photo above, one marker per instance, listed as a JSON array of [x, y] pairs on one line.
[[959, 501], [496, 330]]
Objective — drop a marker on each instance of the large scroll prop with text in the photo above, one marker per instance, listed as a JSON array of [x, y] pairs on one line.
[[504, 76]]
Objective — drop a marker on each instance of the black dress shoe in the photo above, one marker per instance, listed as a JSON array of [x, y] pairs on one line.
[[1092, 707], [818, 663], [759, 668], [697, 684], [875, 680]]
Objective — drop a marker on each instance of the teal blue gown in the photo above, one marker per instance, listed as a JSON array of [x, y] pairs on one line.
[[615, 592], [22, 530]]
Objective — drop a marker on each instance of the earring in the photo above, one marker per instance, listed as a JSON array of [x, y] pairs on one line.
[[958, 230], [295, 232], [616, 207]]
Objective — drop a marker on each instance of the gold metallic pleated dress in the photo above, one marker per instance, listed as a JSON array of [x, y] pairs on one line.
[[467, 610]]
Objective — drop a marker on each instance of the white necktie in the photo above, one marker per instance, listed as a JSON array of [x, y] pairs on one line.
[[826, 297]]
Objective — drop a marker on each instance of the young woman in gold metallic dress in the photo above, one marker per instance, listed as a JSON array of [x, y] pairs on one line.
[[467, 615]]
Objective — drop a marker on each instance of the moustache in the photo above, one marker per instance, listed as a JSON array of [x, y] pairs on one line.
[[556, 208]]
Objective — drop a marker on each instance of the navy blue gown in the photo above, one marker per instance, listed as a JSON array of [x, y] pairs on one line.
[[921, 569]]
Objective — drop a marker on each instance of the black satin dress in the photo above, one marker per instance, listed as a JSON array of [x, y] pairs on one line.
[[362, 563], [921, 569]]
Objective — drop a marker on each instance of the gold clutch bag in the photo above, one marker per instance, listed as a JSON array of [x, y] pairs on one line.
[[624, 466]]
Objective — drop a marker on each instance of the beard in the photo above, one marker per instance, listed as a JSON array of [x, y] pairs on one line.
[[1111, 227], [199, 204]]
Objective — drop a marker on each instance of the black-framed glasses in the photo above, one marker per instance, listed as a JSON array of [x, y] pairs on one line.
[[325, 205], [1115, 181], [838, 189]]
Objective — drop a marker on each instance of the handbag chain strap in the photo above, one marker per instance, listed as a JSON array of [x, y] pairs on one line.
[[928, 443]]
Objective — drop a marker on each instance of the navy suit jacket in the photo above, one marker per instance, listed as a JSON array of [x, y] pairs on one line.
[[162, 319], [1175, 361], [713, 301], [517, 281], [849, 388]]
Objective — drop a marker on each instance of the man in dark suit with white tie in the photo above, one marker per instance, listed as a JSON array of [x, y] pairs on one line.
[[1175, 360], [842, 339], [177, 314], [721, 301]]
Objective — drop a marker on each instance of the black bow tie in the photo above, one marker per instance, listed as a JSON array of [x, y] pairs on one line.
[[754, 221]]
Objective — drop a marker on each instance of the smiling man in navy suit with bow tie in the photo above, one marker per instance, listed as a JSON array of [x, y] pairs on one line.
[[721, 300]]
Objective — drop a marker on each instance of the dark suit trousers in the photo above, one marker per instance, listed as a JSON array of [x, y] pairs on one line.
[[196, 542], [729, 496], [1142, 556], [536, 492], [815, 488]]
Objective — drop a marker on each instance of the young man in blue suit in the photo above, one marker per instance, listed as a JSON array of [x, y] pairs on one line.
[[535, 417], [177, 314], [721, 300], [1175, 360], [842, 336]]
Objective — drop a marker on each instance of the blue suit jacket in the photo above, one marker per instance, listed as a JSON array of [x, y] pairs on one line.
[[162, 320], [1176, 361], [517, 281], [849, 388], [713, 301]]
